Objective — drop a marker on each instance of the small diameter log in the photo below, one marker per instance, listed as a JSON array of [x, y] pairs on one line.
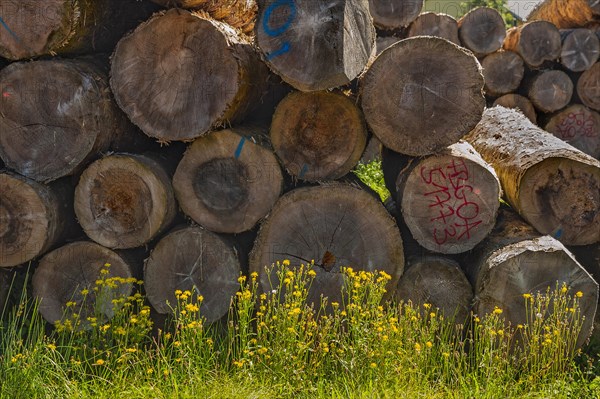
[[64, 273], [319, 135], [514, 261], [565, 13], [519, 102], [449, 200], [580, 49], [196, 260], [482, 31], [503, 72], [394, 14], [553, 186], [336, 225], [432, 24], [549, 91], [124, 200], [33, 217], [416, 105], [218, 75], [578, 126], [55, 116], [588, 87], [439, 282], [315, 45], [536, 42], [228, 180]]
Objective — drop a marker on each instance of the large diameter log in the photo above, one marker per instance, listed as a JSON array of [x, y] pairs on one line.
[[55, 116], [64, 273], [578, 126], [503, 72], [553, 186], [228, 180], [178, 75], [550, 91], [580, 49], [536, 42], [417, 105], [432, 24], [449, 200], [515, 260], [588, 87], [394, 14], [335, 225], [195, 260], [482, 30], [315, 45], [565, 13], [519, 102], [439, 282], [124, 200], [318, 135]]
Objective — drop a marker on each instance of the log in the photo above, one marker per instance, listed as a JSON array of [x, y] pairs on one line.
[[515, 260], [33, 217], [482, 31], [565, 13], [439, 282], [588, 87], [32, 28], [196, 260], [503, 72], [432, 24], [372, 151], [125, 200], [416, 105], [519, 102], [228, 180], [553, 186], [449, 200], [331, 41], [578, 126], [580, 49], [383, 42], [55, 117], [536, 42], [394, 14], [311, 143], [64, 273], [549, 91], [227, 76], [336, 225]]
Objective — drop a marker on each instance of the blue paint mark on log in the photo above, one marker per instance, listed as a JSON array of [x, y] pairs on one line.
[[284, 49], [238, 150], [558, 234], [286, 24], [303, 171], [13, 34]]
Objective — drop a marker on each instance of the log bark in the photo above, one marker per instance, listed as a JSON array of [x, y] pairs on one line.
[[64, 273], [318, 136], [416, 105], [515, 260], [565, 13], [588, 87], [125, 200], [193, 259], [439, 282], [549, 91], [55, 116], [228, 180], [553, 186], [394, 14], [482, 31], [516, 101], [432, 24], [218, 75], [336, 225], [536, 42], [580, 49], [578, 126], [332, 41], [503, 72], [372, 151]]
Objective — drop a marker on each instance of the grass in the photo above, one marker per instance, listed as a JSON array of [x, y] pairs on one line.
[[372, 175], [276, 345]]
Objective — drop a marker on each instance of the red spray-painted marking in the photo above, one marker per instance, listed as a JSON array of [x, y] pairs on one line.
[[576, 124]]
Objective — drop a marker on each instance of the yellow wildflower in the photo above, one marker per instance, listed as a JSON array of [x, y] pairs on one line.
[[428, 344], [312, 273], [286, 262], [99, 362], [497, 310], [579, 294], [526, 296]]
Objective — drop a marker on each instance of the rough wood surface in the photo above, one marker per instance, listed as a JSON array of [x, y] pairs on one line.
[[179, 74], [580, 49], [549, 91], [315, 45], [383, 42], [319, 135], [417, 105], [55, 116], [432, 24], [196, 260], [588, 87], [565, 13], [482, 31], [553, 186], [537, 42], [503, 72], [394, 14], [519, 102], [578, 126], [228, 180], [336, 225]]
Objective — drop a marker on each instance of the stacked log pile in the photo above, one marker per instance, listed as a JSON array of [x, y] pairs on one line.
[[219, 138]]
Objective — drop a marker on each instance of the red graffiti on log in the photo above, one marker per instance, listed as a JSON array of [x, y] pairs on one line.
[[576, 124]]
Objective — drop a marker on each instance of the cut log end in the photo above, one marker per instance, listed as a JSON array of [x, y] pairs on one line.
[[588, 87], [580, 50], [482, 30], [550, 91], [503, 72], [516, 101], [578, 126], [394, 14], [536, 42], [432, 24]]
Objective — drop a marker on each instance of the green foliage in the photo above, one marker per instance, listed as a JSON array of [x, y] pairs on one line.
[[499, 5], [372, 175]]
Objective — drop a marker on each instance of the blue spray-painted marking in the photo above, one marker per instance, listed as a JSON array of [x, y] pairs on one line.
[[284, 49], [238, 150], [13, 34], [303, 171], [558, 234], [286, 24]]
